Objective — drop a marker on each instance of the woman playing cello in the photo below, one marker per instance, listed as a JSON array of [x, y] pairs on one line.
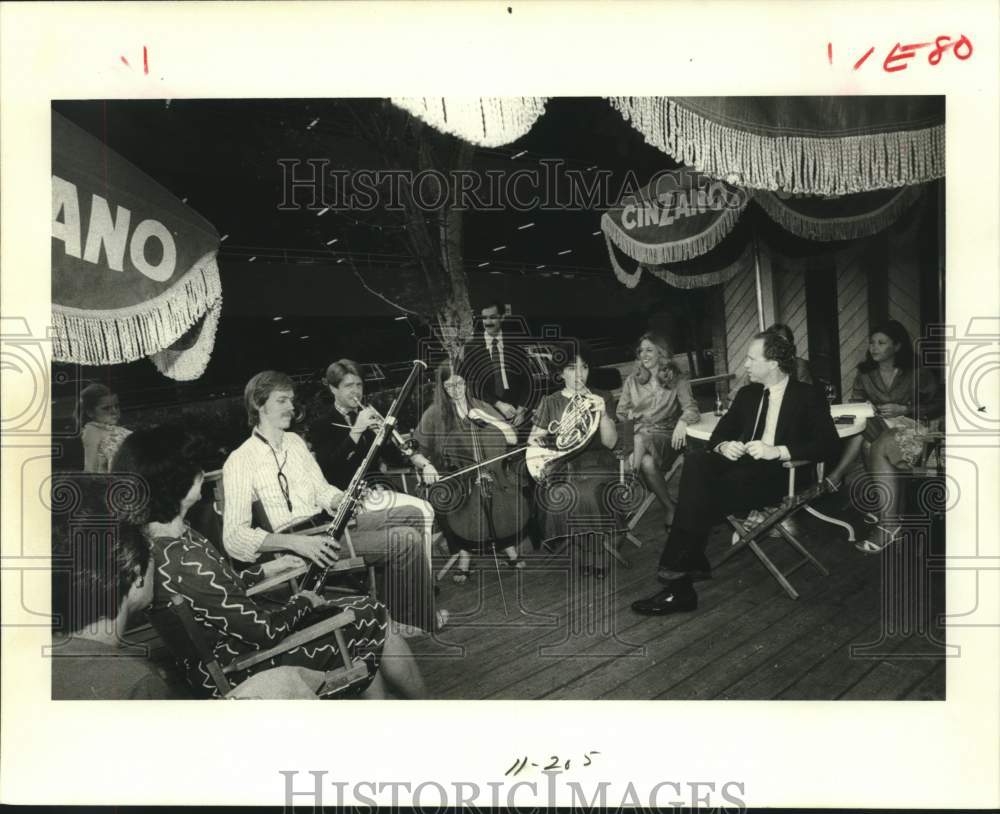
[[448, 435]]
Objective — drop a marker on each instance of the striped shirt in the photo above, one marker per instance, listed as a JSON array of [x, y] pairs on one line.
[[251, 473]]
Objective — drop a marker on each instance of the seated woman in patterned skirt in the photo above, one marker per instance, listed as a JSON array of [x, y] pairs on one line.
[[905, 398], [166, 459]]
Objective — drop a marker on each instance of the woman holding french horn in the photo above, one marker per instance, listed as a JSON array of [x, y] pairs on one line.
[[578, 488]]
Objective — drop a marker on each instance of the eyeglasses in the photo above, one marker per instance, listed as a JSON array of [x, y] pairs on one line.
[[454, 384]]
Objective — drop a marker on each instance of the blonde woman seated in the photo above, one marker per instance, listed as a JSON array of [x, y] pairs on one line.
[[657, 397]]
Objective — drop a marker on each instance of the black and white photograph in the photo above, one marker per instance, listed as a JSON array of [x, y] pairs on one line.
[[499, 398], [614, 384]]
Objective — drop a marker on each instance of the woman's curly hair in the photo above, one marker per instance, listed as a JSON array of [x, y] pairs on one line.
[[667, 373], [166, 459]]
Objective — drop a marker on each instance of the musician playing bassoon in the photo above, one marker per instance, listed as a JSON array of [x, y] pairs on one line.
[[275, 468], [576, 495]]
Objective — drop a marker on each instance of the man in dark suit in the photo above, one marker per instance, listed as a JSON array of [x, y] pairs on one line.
[[772, 420], [498, 370]]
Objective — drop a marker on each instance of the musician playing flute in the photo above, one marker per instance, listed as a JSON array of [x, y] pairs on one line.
[[274, 468], [575, 498], [341, 436]]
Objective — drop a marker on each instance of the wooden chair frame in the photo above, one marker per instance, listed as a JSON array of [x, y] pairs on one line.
[[352, 564], [750, 536], [347, 675]]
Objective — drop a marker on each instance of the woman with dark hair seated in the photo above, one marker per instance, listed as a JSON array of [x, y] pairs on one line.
[[168, 463], [579, 485], [904, 398], [443, 434]]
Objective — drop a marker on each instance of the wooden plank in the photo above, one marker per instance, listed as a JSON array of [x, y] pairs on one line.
[[932, 686], [710, 640], [743, 612], [723, 598], [714, 677], [771, 679], [891, 679], [489, 649]]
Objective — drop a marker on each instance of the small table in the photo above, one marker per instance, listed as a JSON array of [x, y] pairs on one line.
[[706, 425]]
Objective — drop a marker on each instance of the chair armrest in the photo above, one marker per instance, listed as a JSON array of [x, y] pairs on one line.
[[796, 464], [270, 583], [296, 639]]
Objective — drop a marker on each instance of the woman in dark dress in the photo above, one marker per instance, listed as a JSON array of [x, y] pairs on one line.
[[576, 497], [443, 437]]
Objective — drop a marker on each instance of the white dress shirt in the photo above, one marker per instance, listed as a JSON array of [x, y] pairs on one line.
[[251, 473], [776, 394], [499, 346]]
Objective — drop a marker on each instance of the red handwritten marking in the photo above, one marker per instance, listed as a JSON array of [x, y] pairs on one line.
[[901, 52], [125, 61], [829, 52], [145, 61], [941, 44], [860, 62], [896, 59]]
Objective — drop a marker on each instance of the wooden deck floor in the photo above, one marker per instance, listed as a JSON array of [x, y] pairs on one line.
[[866, 631]]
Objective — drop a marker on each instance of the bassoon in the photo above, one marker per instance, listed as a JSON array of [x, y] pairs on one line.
[[316, 575]]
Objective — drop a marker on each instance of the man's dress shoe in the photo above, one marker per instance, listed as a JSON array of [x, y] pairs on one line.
[[670, 600]]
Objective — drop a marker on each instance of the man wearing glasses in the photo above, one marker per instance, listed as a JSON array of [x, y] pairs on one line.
[[275, 469]]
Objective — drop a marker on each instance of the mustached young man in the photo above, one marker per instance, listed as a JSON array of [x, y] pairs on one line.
[[496, 370]]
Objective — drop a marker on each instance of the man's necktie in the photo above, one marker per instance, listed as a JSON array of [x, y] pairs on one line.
[[497, 372], [761, 422]]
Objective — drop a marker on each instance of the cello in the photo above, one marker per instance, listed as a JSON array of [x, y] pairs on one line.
[[483, 501]]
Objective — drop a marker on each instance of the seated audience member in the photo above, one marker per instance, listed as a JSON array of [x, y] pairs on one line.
[[773, 419], [658, 398], [801, 373], [168, 462], [98, 416], [274, 468], [905, 399], [110, 582]]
